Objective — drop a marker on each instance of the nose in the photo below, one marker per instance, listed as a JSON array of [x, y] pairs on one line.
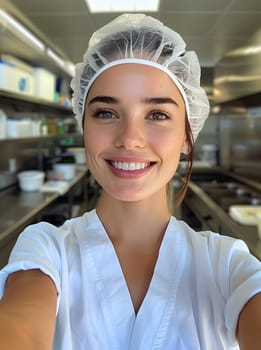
[[130, 135]]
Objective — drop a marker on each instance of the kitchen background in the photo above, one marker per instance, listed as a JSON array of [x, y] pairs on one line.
[[40, 41]]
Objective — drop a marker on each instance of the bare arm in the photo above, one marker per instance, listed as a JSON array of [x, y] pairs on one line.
[[249, 325], [27, 312]]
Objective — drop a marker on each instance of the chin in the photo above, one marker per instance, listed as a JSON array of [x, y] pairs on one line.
[[135, 195], [127, 197]]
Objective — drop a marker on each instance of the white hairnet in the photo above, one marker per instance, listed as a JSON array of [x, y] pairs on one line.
[[142, 39]]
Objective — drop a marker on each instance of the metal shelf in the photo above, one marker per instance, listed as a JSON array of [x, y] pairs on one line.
[[63, 139], [26, 139], [22, 103]]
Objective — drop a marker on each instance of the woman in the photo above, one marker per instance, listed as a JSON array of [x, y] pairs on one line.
[[128, 275]]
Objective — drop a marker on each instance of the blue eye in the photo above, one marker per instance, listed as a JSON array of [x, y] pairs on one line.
[[158, 116], [104, 115]]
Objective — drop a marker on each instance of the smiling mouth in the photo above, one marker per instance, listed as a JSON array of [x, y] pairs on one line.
[[130, 166]]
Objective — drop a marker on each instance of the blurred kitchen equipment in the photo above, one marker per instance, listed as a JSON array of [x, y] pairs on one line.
[[59, 186], [247, 215], [239, 152], [31, 180], [15, 75], [12, 164], [258, 218], [209, 154], [7, 179], [79, 154], [36, 127], [19, 128], [2, 124], [65, 171], [70, 125], [44, 83], [64, 157], [64, 167]]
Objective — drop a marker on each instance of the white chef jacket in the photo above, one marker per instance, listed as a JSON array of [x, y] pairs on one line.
[[200, 283]]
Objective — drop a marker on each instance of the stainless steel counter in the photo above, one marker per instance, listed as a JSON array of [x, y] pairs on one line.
[[18, 209], [213, 217]]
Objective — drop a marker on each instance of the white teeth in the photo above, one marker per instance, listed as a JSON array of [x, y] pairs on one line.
[[130, 166]]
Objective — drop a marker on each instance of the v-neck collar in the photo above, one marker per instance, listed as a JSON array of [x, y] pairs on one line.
[[147, 329]]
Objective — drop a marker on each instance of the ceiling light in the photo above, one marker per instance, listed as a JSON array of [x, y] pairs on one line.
[[236, 78], [70, 68], [55, 57], [248, 50], [122, 6], [252, 50], [21, 30]]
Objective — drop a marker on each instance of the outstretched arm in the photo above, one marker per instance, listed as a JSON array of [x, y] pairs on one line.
[[249, 325], [27, 311]]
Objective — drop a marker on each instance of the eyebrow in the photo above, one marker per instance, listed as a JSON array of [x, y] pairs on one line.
[[150, 100], [160, 100], [105, 99]]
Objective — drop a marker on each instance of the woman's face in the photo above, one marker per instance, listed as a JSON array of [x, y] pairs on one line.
[[134, 131]]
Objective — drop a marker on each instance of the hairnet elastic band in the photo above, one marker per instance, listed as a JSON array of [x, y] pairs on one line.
[[138, 61]]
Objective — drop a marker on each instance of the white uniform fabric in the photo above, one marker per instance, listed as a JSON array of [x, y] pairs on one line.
[[201, 282]]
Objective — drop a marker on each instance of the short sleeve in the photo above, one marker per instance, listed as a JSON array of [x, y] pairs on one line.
[[239, 279], [36, 248]]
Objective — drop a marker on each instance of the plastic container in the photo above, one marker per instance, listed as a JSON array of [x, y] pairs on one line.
[[18, 128], [15, 75], [31, 180], [36, 127], [66, 171], [44, 84], [79, 154]]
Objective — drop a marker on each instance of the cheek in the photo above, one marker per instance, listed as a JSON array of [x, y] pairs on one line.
[[169, 143], [91, 144], [96, 144], [89, 140], [94, 139]]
